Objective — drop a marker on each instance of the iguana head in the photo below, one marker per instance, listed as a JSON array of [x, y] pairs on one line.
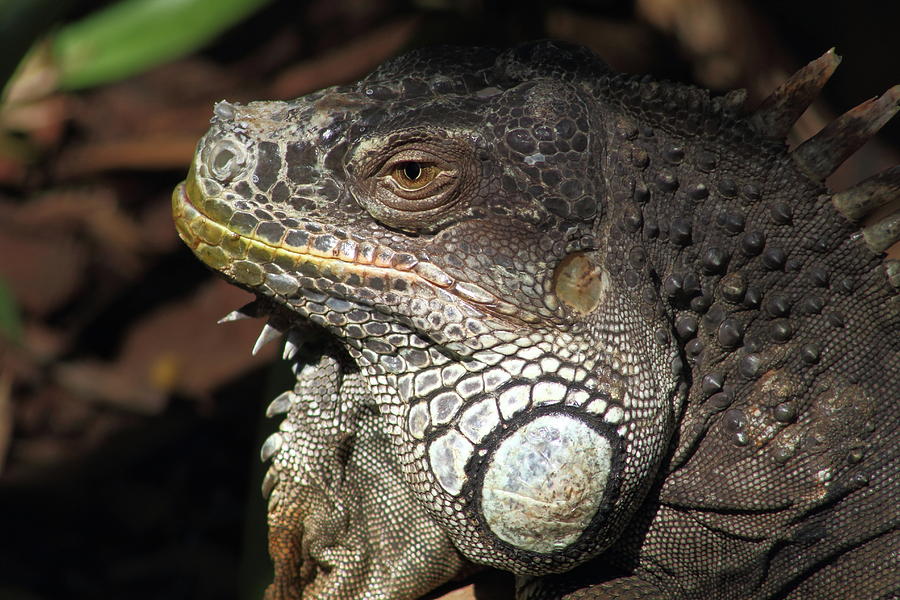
[[450, 220]]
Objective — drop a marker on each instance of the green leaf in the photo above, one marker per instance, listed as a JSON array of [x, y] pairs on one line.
[[134, 35]]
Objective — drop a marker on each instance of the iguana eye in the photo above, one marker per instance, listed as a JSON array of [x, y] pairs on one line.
[[417, 180], [414, 175], [412, 182]]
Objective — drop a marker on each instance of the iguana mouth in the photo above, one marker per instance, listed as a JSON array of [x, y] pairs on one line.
[[223, 248], [361, 271], [361, 277]]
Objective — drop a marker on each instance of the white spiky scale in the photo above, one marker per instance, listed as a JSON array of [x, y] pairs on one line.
[[271, 446], [235, 315], [266, 335], [290, 349], [281, 404]]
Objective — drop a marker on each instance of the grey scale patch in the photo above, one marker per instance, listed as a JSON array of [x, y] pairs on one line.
[[547, 392], [418, 420], [451, 374], [577, 397], [444, 407], [448, 456], [427, 382], [494, 378], [513, 401], [470, 386], [479, 420]]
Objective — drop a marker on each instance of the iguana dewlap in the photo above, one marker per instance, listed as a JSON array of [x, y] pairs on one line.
[[600, 331]]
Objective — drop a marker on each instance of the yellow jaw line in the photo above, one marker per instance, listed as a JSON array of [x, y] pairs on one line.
[[240, 257]]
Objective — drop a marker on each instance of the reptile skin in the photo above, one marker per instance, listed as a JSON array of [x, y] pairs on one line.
[[602, 332]]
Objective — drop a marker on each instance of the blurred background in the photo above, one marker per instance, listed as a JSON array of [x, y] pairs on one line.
[[129, 421]]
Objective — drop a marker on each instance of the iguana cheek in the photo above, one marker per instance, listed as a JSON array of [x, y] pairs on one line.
[[545, 482]]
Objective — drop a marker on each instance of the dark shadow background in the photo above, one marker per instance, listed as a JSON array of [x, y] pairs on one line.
[[129, 422]]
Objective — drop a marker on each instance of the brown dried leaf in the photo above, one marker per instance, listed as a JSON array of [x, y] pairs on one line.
[[42, 271], [90, 211], [463, 593], [624, 45], [178, 348], [181, 347], [110, 383]]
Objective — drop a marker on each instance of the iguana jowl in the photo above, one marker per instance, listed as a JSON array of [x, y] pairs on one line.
[[540, 311]]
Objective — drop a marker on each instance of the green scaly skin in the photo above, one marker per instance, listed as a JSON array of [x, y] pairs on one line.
[[602, 332]]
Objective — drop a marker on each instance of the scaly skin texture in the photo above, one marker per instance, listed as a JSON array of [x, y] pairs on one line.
[[599, 331]]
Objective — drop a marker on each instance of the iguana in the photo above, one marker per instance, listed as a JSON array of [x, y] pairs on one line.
[[602, 332]]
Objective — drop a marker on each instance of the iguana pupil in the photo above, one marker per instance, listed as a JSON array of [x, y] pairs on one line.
[[412, 171]]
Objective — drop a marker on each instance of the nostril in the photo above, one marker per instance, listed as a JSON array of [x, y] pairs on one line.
[[226, 160], [222, 160]]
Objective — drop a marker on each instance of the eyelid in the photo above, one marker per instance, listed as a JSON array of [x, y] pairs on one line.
[[446, 175], [440, 181]]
